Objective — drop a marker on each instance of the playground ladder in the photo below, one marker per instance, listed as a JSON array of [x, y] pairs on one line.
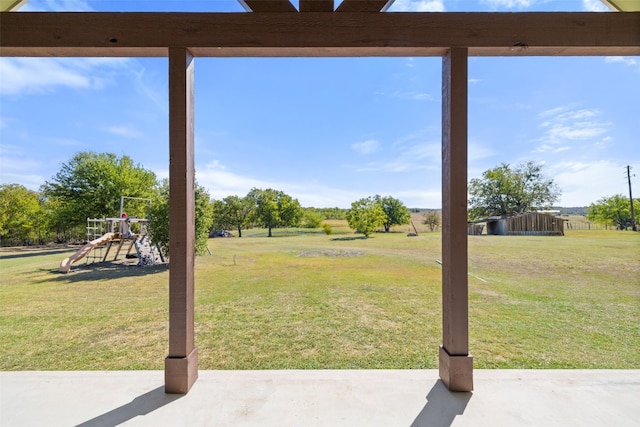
[[95, 229]]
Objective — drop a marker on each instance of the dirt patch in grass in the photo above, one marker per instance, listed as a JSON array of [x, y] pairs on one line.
[[330, 253]]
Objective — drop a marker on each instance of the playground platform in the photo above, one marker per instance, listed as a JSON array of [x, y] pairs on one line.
[[322, 398]]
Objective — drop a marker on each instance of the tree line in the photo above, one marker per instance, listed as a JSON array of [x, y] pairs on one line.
[[91, 184], [273, 209]]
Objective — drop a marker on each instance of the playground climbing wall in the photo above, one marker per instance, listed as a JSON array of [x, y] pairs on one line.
[[148, 253]]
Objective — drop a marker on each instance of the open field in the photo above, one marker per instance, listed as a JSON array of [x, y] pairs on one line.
[[318, 301]]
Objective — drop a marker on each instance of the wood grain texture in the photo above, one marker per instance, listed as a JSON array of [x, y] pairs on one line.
[[364, 5], [316, 5], [181, 203], [455, 322], [319, 34]]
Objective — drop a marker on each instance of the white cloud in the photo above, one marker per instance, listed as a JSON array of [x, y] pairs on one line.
[[564, 126], [594, 6], [410, 62], [65, 142], [509, 4], [414, 96], [410, 153], [43, 75], [479, 152], [318, 195], [17, 168], [548, 148], [34, 75], [366, 147], [152, 87], [625, 60], [395, 166], [7, 150], [56, 6], [21, 176], [421, 151], [431, 198], [221, 183], [417, 6], [583, 183], [554, 111], [124, 131], [407, 157]]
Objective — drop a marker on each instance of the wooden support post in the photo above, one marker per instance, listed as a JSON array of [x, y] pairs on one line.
[[106, 253], [133, 242], [122, 239], [181, 365], [456, 365]]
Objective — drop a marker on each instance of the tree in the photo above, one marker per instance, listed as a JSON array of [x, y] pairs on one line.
[[55, 222], [329, 213], [613, 211], [311, 218], [432, 220], [232, 212], [159, 218], [90, 185], [204, 217], [396, 212], [503, 190], [273, 208], [366, 215], [22, 217]]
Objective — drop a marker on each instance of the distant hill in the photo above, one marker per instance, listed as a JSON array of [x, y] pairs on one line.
[[577, 210], [580, 210]]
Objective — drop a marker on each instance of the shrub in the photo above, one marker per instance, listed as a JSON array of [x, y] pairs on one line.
[[327, 229], [311, 219]]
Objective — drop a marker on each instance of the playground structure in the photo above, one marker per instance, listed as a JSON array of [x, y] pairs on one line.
[[105, 233]]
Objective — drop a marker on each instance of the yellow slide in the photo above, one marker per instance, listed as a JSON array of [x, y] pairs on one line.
[[65, 265]]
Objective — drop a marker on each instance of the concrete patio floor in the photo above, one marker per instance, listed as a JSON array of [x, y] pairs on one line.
[[322, 398]]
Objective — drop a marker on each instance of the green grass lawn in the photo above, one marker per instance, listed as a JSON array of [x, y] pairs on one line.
[[312, 301]]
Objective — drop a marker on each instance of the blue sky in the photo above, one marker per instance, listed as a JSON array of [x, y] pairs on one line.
[[371, 125]]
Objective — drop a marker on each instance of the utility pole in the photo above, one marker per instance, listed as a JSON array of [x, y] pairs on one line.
[[633, 220]]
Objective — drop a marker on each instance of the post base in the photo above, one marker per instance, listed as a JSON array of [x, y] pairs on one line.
[[180, 373], [456, 372]]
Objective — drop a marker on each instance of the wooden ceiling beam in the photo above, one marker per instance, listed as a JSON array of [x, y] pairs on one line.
[[318, 34], [315, 5], [364, 5], [268, 6]]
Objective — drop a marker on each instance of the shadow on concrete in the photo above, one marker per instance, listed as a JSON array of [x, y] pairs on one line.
[[141, 405], [442, 407]]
